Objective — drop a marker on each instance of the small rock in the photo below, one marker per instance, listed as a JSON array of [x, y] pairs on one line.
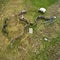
[[43, 10], [45, 39], [30, 30]]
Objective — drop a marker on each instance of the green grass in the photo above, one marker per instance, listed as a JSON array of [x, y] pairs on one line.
[[40, 3], [2, 3], [32, 7]]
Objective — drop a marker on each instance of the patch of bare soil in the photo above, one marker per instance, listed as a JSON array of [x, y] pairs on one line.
[[54, 52], [54, 10], [51, 30], [14, 28]]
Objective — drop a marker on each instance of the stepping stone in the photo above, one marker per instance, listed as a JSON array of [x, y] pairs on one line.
[[22, 17], [43, 10], [31, 30], [45, 39]]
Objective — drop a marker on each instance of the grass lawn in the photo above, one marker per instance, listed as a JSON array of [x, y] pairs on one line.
[[41, 3], [29, 46]]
